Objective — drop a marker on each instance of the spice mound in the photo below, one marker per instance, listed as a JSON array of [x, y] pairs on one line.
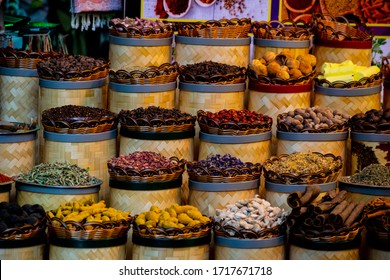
[[24, 217], [154, 116], [229, 121], [371, 175], [372, 121], [282, 68], [72, 68], [87, 219], [250, 218], [144, 165], [58, 174], [225, 167], [140, 28], [331, 218], [61, 119], [173, 222], [5, 179], [302, 168], [209, 72], [313, 120]]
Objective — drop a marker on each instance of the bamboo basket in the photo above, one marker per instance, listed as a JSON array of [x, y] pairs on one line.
[[51, 197], [350, 101], [132, 96], [36, 252], [298, 253], [188, 243], [277, 194], [209, 196], [86, 150], [5, 191], [232, 51], [273, 100], [249, 148], [19, 94], [326, 143], [125, 53], [249, 249]]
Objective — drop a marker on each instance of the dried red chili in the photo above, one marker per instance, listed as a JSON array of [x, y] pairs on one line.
[[4, 178], [159, 9], [177, 7]]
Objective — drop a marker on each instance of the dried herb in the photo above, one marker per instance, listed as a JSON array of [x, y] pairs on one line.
[[365, 155], [58, 174], [374, 174]]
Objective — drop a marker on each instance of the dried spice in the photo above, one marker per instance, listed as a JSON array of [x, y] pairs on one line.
[[313, 119], [374, 174], [142, 160], [300, 163], [154, 116], [211, 72], [372, 121], [5, 178], [365, 155], [177, 7], [13, 127], [58, 174], [13, 215]]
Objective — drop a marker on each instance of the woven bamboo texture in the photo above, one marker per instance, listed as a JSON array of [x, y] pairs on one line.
[[232, 55], [133, 100], [208, 202], [93, 97], [19, 98], [350, 105], [141, 201], [261, 50], [279, 199], [298, 253], [338, 148], [200, 252], [337, 55], [5, 196], [108, 253], [27, 253], [227, 253], [375, 254], [50, 201], [181, 148], [126, 57], [256, 152], [372, 146], [273, 104], [18, 157], [91, 155]]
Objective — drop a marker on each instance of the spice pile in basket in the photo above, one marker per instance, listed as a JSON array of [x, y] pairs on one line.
[[58, 174], [4, 178], [72, 67], [283, 66], [313, 119], [331, 218], [136, 27], [374, 120], [13, 215], [302, 168], [255, 216], [174, 216], [14, 127], [210, 72], [84, 212], [372, 175]]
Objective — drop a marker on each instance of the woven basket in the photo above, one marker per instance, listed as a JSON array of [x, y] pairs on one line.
[[189, 243], [24, 243], [5, 191], [14, 58], [223, 28], [120, 29], [125, 53], [298, 253], [19, 94]]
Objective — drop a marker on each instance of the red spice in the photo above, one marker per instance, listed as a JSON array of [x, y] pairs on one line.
[[177, 7], [159, 9], [4, 178]]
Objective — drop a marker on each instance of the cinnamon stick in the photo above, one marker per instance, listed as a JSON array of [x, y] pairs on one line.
[[308, 222], [320, 219], [347, 211], [334, 216], [328, 205], [293, 199], [310, 194], [354, 214], [298, 212], [378, 213]]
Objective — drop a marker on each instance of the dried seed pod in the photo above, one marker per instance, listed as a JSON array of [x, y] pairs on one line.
[[295, 73], [280, 59], [269, 56], [282, 74], [305, 67], [292, 63], [273, 68]]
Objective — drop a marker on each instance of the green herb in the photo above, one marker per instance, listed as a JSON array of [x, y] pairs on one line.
[[374, 174], [58, 174]]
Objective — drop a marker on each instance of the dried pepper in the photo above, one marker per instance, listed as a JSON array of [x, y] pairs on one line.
[[5, 178]]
